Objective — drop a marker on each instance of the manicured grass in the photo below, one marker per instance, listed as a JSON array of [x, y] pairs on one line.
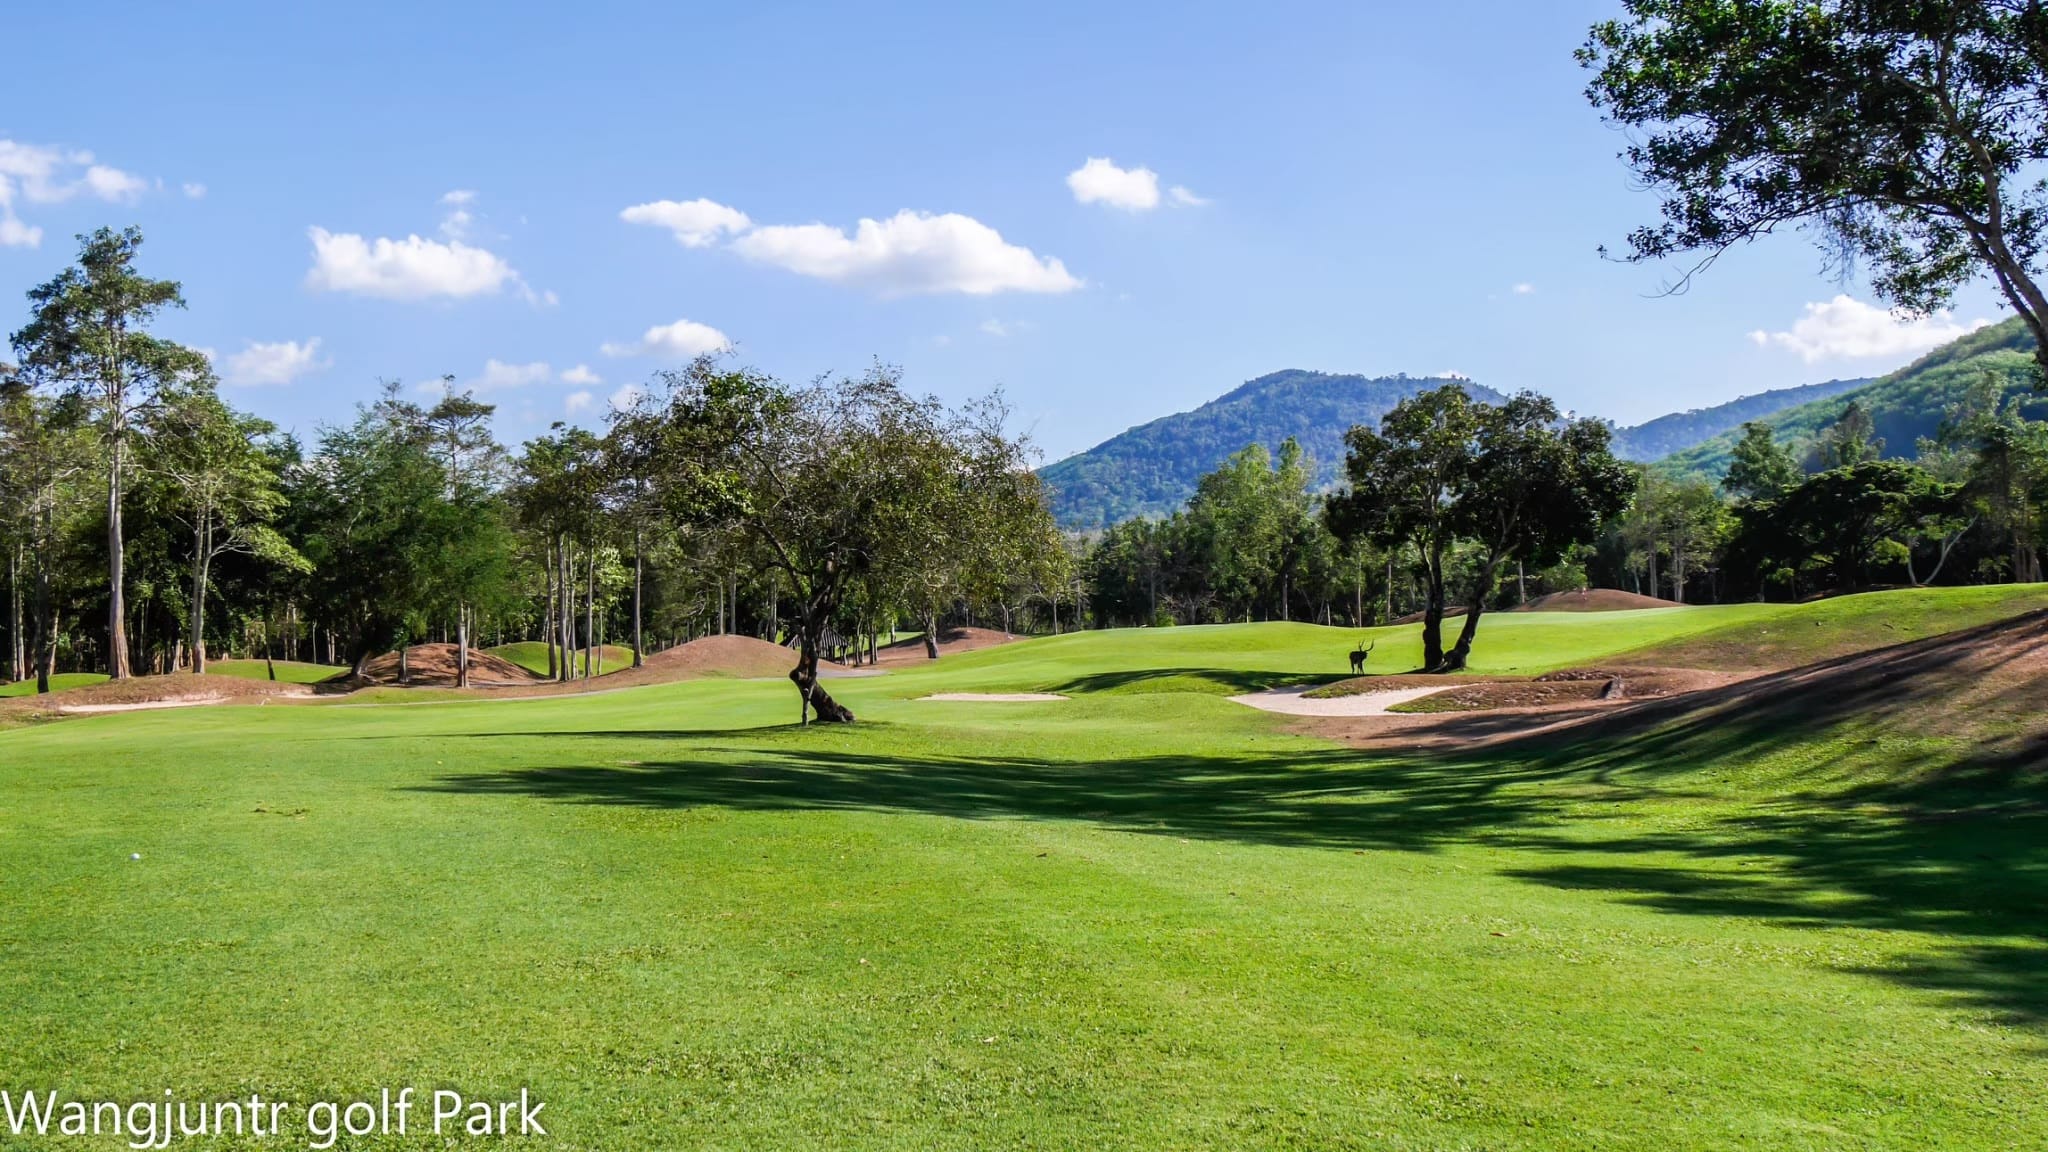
[[532, 655], [288, 671], [1120, 921], [58, 682]]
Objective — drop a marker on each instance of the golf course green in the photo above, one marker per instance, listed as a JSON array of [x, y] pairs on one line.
[[1141, 917]]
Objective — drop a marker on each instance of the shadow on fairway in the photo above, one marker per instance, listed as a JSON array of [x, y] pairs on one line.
[[1850, 803]]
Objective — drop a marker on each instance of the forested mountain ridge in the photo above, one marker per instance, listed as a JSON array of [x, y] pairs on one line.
[[1656, 439], [1904, 406], [1152, 469]]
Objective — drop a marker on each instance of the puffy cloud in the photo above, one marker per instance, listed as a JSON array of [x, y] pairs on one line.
[[696, 223], [455, 224], [1100, 181], [684, 339], [581, 374], [1182, 194], [414, 268], [195, 191], [277, 363], [580, 400], [35, 174], [911, 253], [1845, 328], [498, 376], [1524, 289]]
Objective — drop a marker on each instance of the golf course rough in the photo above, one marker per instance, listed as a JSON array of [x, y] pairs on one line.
[[1144, 917]]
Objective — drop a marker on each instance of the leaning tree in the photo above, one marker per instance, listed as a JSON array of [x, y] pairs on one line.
[[841, 487], [1907, 133]]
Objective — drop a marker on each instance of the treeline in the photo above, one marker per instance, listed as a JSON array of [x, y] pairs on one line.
[[146, 524]]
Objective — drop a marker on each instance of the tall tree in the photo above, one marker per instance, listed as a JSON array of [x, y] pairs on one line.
[[1404, 479], [222, 486], [1534, 486], [45, 452], [88, 334], [1759, 468], [1907, 134]]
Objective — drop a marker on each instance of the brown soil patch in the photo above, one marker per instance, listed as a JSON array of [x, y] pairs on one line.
[[433, 666], [177, 689], [1982, 684], [743, 656], [951, 640]]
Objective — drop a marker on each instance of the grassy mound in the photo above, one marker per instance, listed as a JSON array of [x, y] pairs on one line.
[[1793, 634], [532, 655], [58, 682], [288, 671], [742, 656]]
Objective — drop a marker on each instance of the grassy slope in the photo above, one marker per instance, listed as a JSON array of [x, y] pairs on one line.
[[58, 683], [532, 655], [1114, 922], [288, 671], [1905, 405]]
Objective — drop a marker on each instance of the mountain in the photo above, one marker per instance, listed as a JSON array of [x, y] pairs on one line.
[[1152, 469], [1906, 405], [1681, 430]]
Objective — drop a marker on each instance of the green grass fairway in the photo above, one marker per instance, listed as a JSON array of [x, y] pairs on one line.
[[1135, 919], [58, 682], [532, 655]]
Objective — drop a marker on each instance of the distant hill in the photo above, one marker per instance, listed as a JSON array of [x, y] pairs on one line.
[[1681, 430], [1905, 405], [1152, 469]]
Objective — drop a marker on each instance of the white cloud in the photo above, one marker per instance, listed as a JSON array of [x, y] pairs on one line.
[[410, 269], [1001, 328], [459, 196], [685, 339], [195, 191], [695, 223], [1182, 194], [1524, 289], [581, 374], [36, 174], [498, 376], [579, 401], [1845, 328], [627, 396], [911, 253], [1100, 181], [276, 363]]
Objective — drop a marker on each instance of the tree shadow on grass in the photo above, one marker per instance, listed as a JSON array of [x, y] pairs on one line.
[[1865, 814]]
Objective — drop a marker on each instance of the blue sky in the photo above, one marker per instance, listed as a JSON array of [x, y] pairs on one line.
[[598, 190]]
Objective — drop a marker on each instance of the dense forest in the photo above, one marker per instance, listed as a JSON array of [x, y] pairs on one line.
[[1656, 439]]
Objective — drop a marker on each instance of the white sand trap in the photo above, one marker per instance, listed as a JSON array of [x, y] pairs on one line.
[[1294, 703], [144, 706], [992, 697]]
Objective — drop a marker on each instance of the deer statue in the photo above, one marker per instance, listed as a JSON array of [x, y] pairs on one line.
[[1358, 656]]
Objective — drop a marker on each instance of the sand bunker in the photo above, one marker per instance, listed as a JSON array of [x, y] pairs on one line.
[[951, 640], [992, 697], [1292, 702], [433, 665]]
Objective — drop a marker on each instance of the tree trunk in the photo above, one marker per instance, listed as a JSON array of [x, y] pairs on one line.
[[1481, 592], [199, 596], [17, 642], [565, 570], [1433, 609], [1390, 588], [637, 645], [931, 635], [547, 624], [117, 608], [1653, 571], [805, 676], [404, 668], [462, 646], [46, 625], [589, 611]]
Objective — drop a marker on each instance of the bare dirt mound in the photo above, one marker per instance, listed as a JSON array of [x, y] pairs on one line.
[[433, 665], [742, 656], [951, 640], [139, 692], [1594, 600]]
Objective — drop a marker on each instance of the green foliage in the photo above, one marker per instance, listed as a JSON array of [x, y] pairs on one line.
[[1905, 407], [1656, 439]]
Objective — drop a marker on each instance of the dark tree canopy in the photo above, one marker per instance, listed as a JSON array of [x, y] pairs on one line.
[[1905, 131]]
